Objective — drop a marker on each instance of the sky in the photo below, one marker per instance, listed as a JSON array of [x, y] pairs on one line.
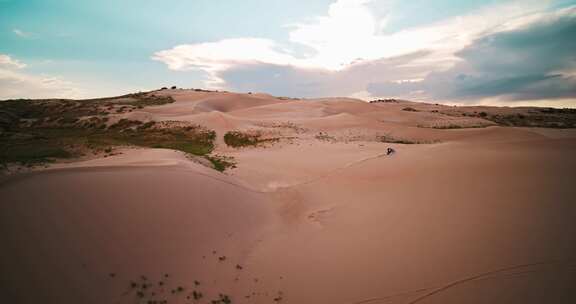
[[503, 52]]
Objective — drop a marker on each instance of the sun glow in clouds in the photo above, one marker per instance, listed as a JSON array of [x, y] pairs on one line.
[[348, 48], [348, 33]]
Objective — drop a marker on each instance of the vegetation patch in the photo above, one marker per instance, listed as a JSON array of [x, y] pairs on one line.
[[284, 125], [221, 162], [389, 100], [32, 153], [34, 132], [40, 145], [453, 126], [547, 118], [238, 139], [395, 140], [287, 98], [521, 117], [67, 111], [325, 137]]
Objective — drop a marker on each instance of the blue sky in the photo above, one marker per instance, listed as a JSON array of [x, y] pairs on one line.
[[381, 48]]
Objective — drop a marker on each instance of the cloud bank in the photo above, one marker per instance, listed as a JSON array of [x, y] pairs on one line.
[[8, 62], [14, 81], [519, 50], [534, 62]]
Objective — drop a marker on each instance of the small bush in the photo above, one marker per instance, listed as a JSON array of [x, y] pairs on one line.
[[385, 100], [222, 163], [324, 137], [239, 139], [196, 295], [124, 124], [146, 125], [394, 140], [454, 126], [33, 152], [409, 109]]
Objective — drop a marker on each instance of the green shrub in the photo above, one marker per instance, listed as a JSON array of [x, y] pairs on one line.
[[32, 152], [221, 163], [239, 139], [41, 145], [394, 140]]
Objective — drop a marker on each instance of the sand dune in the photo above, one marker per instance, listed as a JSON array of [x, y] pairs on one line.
[[297, 110], [131, 218], [239, 102], [322, 215], [189, 102], [427, 217]]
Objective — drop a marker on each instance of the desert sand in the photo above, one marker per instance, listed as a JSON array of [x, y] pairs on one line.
[[475, 214]]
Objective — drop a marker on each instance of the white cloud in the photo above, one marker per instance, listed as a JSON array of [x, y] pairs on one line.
[[348, 48], [9, 62], [340, 37], [222, 54], [214, 57], [335, 38], [21, 33], [18, 84]]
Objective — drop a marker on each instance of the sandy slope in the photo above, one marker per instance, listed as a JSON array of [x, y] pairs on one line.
[[482, 215], [67, 229], [428, 217]]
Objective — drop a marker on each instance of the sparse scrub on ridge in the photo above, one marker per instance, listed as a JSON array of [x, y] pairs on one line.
[[404, 141], [40, 145], [390, 100], [324, 137], [454, 126], [238, 139], [287, 98], [283, 125], [68, 110], [556, 118], [31, 154], [124, 124], [34, 132], [557, 111], [221, 162], [520, 117], [445, 127], [196, 141]]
